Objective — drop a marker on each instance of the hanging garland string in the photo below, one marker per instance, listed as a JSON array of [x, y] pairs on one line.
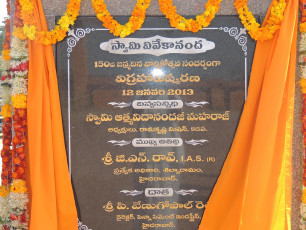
[[183, 24], [265, 32], [135, 22], [272, 24], [6, 155], [47, 37], [6, 112], [18, 197], [18, 23]]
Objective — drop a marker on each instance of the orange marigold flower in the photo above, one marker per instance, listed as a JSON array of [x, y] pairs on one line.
[[135, 21]]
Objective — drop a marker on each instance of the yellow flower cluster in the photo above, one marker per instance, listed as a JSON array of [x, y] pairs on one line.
[[18, 32], [4, 191], [135, 22], [181, 23], [19, 186], [303, 27], [19, 101], [60, 30], [6, 54], [272, 24], [6, 110], [304, 196], [302, 83]]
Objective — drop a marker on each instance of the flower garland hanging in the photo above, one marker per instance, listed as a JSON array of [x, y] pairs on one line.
[[181, 23], [18, 23], [271, 25], [135, 22], [6, 152], [47, 37], [302, 62], [6, 112], [18, 197]]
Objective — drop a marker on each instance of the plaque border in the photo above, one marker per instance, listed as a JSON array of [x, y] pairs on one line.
[[74, 35]]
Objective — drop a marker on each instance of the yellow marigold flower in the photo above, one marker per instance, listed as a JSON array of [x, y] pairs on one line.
[[4, 191], [30, 31], [6, 110], [272, 23], [19, 101], [181, 26], [19, 186], [48, 37], [65, 21], [302, 82], [6, 54], [26, 5], [18, 32], [304, 196], [303, 27]]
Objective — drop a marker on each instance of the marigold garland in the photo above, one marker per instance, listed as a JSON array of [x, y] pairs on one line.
[[6, 112], [6, 54], [18, 23], [20, 124], [272, 24], [4, 191], [18, 197], [19, 186], [47, 37], [6, 152], [135, 22], [181, 23], [303, 27], [19, 101], [29, 30]]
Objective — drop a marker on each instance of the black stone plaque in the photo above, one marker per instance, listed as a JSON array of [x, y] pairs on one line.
[[149, 119]]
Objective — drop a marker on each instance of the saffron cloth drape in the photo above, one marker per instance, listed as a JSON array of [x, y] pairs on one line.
[[52, 205], [254, 188]]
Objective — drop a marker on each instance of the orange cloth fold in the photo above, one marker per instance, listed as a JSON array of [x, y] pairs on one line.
[[254, 188], [52, 205]]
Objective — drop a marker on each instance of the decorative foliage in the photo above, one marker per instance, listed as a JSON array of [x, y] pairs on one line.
[[135, 22]]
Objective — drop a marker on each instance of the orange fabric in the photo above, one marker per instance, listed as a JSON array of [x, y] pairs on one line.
[[52, 202], [254, 188]]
